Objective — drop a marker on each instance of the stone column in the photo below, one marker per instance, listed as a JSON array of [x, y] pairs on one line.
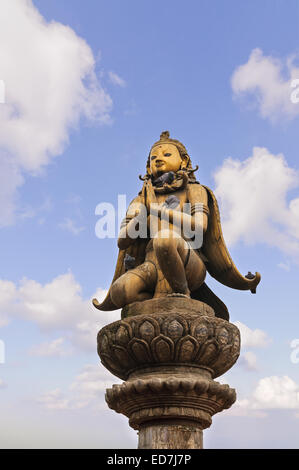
[[168, 352]]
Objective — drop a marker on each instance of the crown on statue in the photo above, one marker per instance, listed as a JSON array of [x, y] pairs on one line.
[[165, 139]]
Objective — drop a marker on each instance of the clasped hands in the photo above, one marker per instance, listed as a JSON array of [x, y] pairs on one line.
[[162, 211]]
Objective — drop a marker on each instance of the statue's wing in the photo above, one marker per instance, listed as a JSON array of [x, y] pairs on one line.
[[206, 295], [220, 264], [137, 250]]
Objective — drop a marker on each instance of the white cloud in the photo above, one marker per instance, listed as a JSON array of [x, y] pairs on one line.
[[50, 85], [55, 348], [269, 80], [87, 390], [252, 338], [69, 225], [92, 383], [84, 333], [270, 393], [56, 306], [116, 79], [253, 198], [7, 298], [10, 179], [248, 360], [243, 408], [276, 392], [54, 400]]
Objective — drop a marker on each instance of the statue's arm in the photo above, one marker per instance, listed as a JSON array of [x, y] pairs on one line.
[[136, 215], [199, 200], [198, 219]]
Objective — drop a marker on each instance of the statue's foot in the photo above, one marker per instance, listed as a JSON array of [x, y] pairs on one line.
[[179, 294], [175, 303]]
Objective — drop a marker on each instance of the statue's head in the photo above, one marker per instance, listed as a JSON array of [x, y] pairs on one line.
[[167, 155]]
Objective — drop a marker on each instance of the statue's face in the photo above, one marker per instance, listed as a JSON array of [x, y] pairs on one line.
[[164, 158]]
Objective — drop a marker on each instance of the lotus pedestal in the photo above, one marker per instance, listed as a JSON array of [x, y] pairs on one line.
[[168, 351]]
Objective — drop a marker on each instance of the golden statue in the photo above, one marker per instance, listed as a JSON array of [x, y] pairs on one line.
[[164, 261]]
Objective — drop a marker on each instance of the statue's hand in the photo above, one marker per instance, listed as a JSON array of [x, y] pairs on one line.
[[171, 202], [129, 262]]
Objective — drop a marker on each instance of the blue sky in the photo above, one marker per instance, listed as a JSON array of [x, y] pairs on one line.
[[89, 87]]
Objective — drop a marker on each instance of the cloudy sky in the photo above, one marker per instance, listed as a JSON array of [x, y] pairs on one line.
[[85, 89]]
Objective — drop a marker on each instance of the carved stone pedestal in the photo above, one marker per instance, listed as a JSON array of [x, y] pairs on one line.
[[168, 360]]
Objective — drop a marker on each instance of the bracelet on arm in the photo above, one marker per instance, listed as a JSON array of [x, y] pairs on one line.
[[199, 207]]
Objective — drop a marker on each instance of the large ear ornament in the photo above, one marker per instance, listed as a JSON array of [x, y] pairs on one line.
[[184, 163]]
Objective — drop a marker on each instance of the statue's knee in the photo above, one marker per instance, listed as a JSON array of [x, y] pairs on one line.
[[165, 240]]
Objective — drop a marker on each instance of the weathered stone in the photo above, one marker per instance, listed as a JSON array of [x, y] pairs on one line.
[[170, 304], [170, 338]]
